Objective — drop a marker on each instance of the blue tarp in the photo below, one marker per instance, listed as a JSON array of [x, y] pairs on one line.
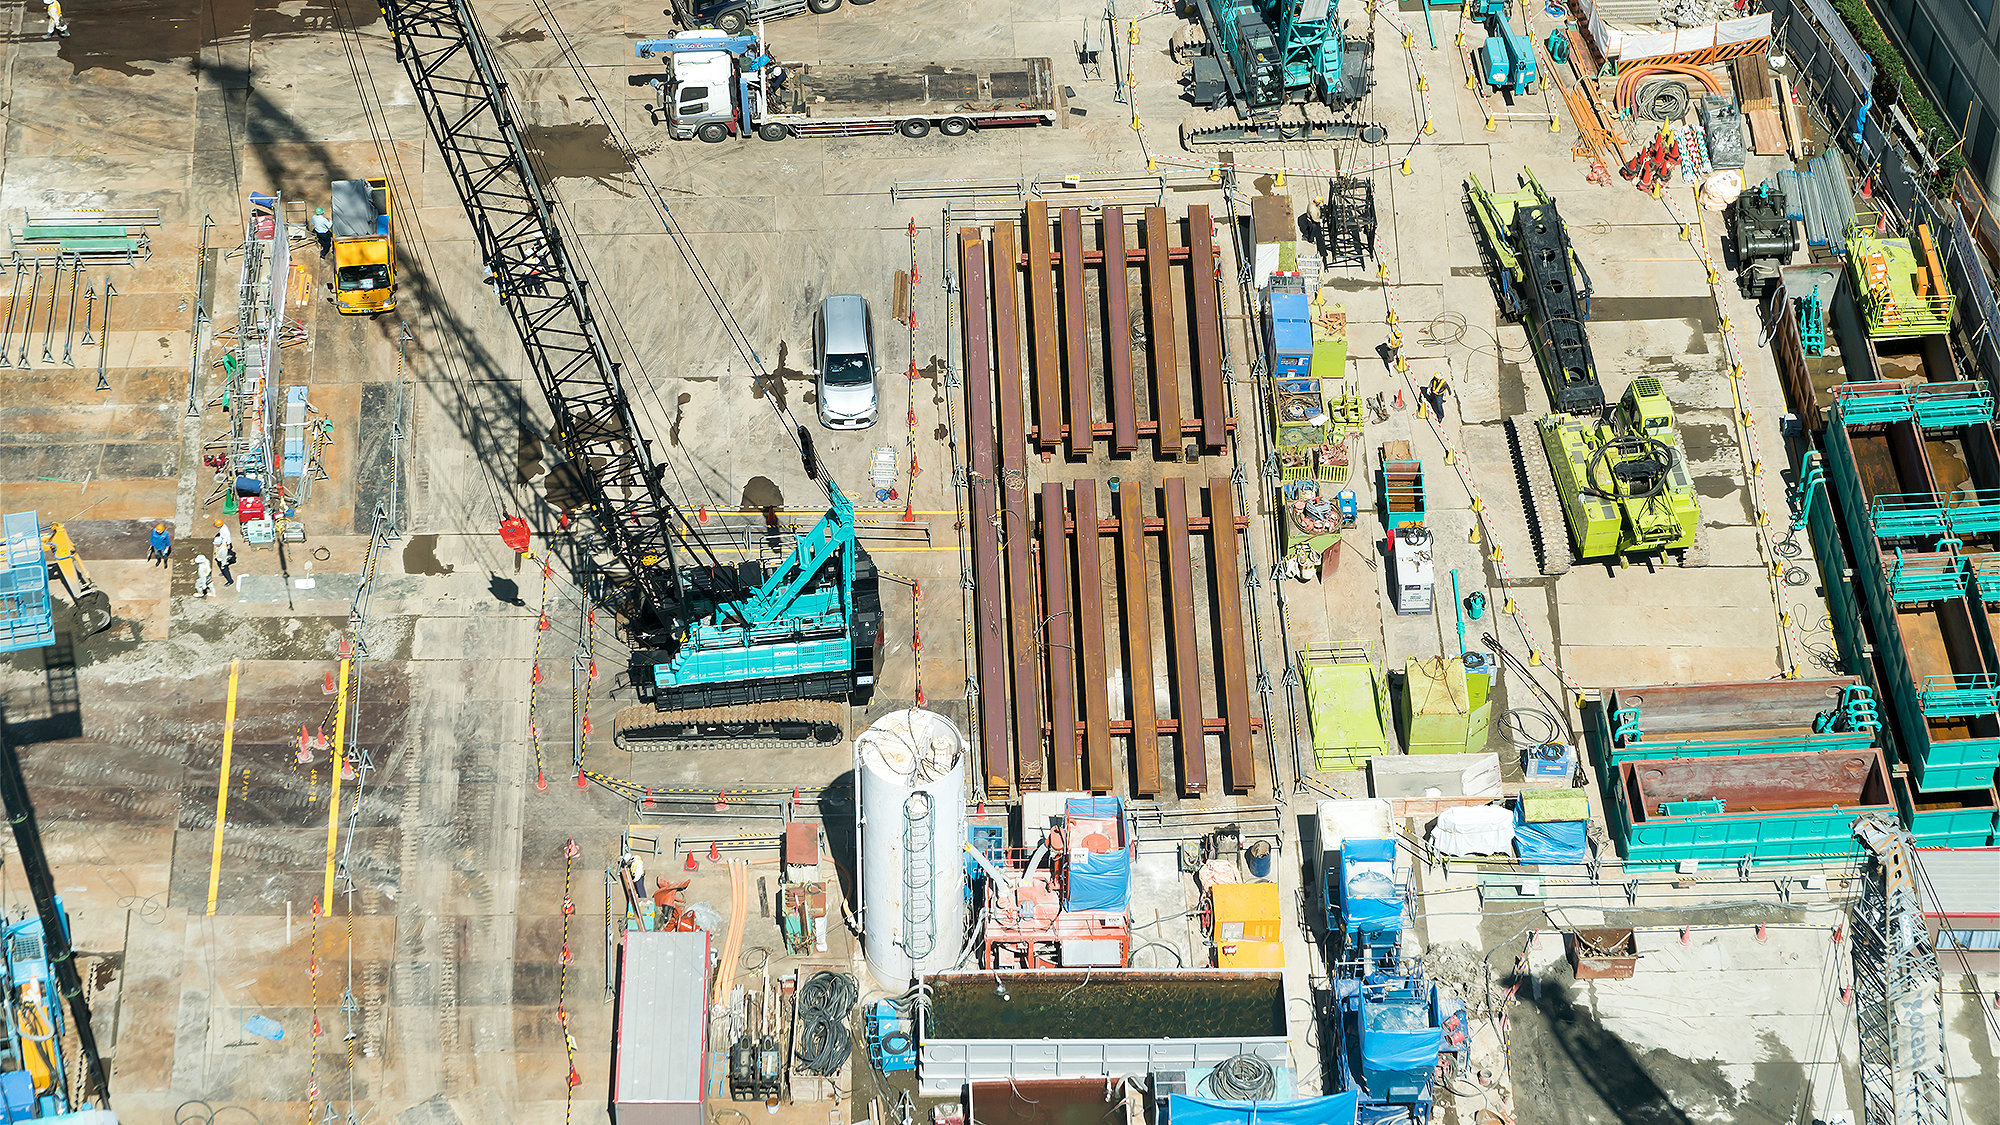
[[1334, 1109], [1555, 841], [1399, 1050], [1099, 880], [1368, 914]]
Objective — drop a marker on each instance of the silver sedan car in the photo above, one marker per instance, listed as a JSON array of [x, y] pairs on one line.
[[844, 362]]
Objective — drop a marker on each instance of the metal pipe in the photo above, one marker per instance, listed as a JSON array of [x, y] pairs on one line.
[[69, 329], [89, 309], [28, 321], [13, 302], [55, 297], [105, 327]]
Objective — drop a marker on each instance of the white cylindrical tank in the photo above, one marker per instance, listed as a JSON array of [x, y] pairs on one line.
[[909, 776]]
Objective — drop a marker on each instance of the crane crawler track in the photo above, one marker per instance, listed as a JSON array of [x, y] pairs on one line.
[[1540, 503], [789, 722]]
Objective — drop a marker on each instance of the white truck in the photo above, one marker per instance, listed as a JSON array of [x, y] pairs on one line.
[[720, 87]]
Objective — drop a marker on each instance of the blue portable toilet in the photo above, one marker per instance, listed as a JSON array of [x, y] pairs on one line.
[[1288, 325]]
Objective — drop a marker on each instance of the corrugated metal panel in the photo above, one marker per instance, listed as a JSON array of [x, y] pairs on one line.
[[1960, 880], [662, 1025]]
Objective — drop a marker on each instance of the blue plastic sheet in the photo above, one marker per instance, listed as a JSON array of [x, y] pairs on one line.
[[1556, 841], [1399, 1050], [1099, 880], [1368, 914], [1334, 1109]]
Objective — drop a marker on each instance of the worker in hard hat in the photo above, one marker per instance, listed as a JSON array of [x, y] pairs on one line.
[[161, 545], [322, 228], [1434, 394]]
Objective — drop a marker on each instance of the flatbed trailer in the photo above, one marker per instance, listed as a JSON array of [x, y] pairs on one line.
[[779, 100]]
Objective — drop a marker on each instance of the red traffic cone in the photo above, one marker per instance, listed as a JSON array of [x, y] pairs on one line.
[[321, 741], [1399, 398], [586, 724], [714, 852], [568, 958], [982, 810], [649, 804], [327, 688], [913, 276], [1839, 934], [534, 729], [575, 1079], [569, 905], [916, 591], [593, 668], [1846, 996], [916, 642], [922, 701], [721, 799], [1686, 938], [690, 865], [545, 619], [536, 678], [541, 781], [312, 1090], [913, 410], [570, 850], [548, 568], [582, 782], [1763, 933], [312, 965], [315, 914], [316, 1031], [701, 515], [305, 755], [795, 795], [346, 768], [909, 512], [913, 226]]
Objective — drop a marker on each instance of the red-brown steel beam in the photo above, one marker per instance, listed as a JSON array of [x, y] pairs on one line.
[[1136, 588], [1060, 649], [1189, 428], [1046, 372], [1207, 332], [1239, 761], [1013, 487], [1160, 329], [1213, 725], [989, 598], [1133, 256], [1096, 686], [1076, 342], [1176, 556], [1155, 526], [1120, 398]]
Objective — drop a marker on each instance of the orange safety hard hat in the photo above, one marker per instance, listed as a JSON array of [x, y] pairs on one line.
[[159, 527]]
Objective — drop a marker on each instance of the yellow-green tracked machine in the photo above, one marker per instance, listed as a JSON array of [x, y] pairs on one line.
[[1617, 480]]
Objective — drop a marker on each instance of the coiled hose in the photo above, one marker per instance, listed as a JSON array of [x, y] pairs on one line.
[[824, 1038], [1662, 100], [1243, 1078]]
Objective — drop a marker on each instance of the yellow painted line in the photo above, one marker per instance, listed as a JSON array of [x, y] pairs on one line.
[[222, 787], [333, 807]]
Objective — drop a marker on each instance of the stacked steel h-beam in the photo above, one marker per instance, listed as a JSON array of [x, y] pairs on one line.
[[1051, 595]]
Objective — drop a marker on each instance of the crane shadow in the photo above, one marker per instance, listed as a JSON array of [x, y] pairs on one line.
[[1600, 1060]]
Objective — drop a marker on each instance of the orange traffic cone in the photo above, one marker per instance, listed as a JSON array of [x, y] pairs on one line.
[[541, 781], [327, 688], [582, 782], [690, 865], [714, 852], [921, 700], [537, 677], [649, 804], [721, 799]]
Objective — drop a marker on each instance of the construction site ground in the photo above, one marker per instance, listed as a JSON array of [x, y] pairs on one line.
[[461, 924]]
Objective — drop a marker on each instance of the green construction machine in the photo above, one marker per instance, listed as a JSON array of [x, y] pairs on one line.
[[1621, 482]]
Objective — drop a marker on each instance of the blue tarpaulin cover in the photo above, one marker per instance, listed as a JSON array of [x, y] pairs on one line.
[[1556, 841], [1399, 1050], [1099, 880], [1370, 913], [1334, 1109]]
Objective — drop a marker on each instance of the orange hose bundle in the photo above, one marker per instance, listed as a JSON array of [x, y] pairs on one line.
[[1628, 82]]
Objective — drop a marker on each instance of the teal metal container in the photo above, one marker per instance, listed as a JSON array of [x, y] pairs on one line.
[[1965, 818], [1774, 808]]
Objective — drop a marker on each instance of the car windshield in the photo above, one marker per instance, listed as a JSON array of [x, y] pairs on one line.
[[847, 370], [354, 278]]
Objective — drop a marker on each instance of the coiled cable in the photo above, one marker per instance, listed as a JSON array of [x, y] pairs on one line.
[[1243, 1078], [824, 1037]]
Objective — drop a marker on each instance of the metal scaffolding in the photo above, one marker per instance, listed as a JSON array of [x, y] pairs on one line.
[[250, 371]]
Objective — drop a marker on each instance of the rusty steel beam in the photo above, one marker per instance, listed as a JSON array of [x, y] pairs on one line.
[[1123, 727], [1136, 592], [1096, 686], [1207, 331], [988, 597], [1046, 372], [1076, 342], [1060, 650], [1184, 645], [1119, 394], [1239, 761], [1134, 256], [1155, 526], [1160, 332], [1190, 428], [1013, 488]]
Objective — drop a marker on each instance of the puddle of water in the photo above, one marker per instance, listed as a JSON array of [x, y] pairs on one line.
[[583, 151]]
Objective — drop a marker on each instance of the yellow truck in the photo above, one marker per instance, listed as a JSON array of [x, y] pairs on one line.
[[364, 260]]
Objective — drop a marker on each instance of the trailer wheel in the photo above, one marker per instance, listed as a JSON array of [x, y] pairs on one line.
[[954, 126], [715, 132], [772, 131], [822, 7], [1528, 91], [914, 128], [732, 22]]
